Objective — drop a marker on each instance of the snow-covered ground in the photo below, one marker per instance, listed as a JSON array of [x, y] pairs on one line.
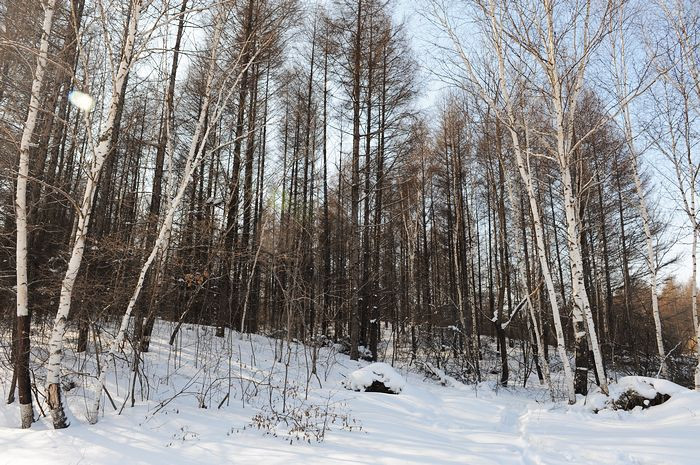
[[428, 423]]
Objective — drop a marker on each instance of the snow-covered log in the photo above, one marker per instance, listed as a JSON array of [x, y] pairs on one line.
[[377, 377]]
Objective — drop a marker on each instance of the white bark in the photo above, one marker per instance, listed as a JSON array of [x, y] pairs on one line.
[[682, 23], [683, 27], [582, 307], [26, 412], [193, 158], [525, 175], [695, 304], [682, 164], [676, 145], [651, 257], [25, 144], [100, 152], [694, 280]]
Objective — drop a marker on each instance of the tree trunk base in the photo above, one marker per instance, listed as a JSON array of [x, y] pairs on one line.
[[147, 332], [82, 336], [58, 414], [26, 413], [24, 383], [92, 416], [581, 380]]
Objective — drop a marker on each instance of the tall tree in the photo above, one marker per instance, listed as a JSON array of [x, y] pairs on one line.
[[23, 318]]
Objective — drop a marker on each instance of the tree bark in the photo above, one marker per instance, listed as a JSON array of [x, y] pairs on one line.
[[355, 191]]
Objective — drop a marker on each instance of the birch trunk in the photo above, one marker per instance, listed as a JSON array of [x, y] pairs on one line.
[[682, 25], [23, 319], [651, 260], [694, 306], [100, 153], [581, 308], [688, 198], [525, 175]]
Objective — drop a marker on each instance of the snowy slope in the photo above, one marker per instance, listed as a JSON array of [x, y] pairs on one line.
[[426, 424]]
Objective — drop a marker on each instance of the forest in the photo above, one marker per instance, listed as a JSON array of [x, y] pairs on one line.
[[493, 190]]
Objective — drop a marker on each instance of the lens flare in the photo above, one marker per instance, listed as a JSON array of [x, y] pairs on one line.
[[81, 100]]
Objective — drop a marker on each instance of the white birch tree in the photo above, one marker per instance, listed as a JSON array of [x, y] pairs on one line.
[[522, 271], [23, 320], [675, 143], [100, 151], [562, 41]]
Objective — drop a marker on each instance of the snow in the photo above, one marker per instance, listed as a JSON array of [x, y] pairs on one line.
[[649, 387], [361, 379], [428, 423]]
